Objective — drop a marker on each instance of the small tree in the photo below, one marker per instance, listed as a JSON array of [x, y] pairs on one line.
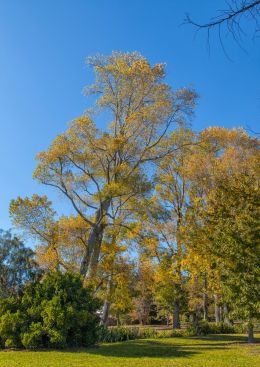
[[17, 265], [57, 312]]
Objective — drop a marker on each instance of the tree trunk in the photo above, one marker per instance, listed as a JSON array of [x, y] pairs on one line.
[[105, 312], [90, 260], [217, 309], [205, 298], [250, 332], [225, 315], [193, 318], [107, 304], [176, 315], [167, 320], [118, 320], [220, 313], [176, 306]]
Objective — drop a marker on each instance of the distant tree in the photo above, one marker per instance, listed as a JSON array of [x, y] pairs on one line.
[[121, 296], [17, 264], [144, 283], [172, 188]]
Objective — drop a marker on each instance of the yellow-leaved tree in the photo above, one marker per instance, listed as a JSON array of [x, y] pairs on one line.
[[102, 171]]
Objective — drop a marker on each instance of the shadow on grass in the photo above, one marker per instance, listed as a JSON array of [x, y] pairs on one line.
[[162, 348], [225, 338], [143, 348], [180, 347], [154, 348]]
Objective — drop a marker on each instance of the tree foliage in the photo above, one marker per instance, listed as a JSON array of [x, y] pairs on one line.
[[17, 265], [103, 173], [57, 312]]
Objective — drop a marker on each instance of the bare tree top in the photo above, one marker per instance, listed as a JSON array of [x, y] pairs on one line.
[[231, 19]]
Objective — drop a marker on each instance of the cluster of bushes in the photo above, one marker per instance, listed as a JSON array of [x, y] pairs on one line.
[[205, 327], [123, 333], [57, 312]]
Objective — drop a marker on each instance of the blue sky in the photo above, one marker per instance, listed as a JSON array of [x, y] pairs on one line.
[[43, 46]]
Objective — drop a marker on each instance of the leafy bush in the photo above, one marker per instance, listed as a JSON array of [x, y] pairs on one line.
[[57, 312], [123, 333], [117, 334], [204, 328], [170, 333]]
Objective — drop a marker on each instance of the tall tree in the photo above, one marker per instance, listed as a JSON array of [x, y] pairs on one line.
[[99, 172], [172, 186], [226, 220], [233, 221]]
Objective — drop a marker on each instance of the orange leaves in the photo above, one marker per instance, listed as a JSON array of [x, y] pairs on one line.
[[135, 231], [47, 257], [152, 244]]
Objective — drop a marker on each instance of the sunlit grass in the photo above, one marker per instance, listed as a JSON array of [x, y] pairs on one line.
[[211, 351]]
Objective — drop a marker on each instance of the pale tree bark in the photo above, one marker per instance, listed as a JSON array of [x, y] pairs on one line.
[[226, 314], [205, 297], [90, 260], [176, 315], [107, 303], [217, 308], [176, 305], [250, 332]]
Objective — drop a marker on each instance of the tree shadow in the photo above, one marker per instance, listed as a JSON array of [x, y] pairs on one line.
[[162, 348], [224, 338], [142, 349], [167, 348]]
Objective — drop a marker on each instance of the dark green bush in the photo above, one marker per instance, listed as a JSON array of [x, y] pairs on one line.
[[204, 328], [123, 333], [57, 312], [118, 334]]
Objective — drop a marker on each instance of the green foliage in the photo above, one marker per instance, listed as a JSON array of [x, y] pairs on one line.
[[117, 334], [123, 333], [57, 312], [17, 264], [234, 214], [204, 328]]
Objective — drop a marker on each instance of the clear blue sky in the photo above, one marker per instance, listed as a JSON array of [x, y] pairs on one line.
[[43, 46]]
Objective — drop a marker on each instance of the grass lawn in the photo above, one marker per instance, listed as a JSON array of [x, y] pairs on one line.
[[210, 351]]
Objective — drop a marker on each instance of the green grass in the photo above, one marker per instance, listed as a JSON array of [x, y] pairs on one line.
[[210, 351]]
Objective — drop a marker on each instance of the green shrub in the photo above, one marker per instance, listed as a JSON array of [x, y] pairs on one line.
[[122, 333], [205, 327], [118, 334], [223, 328], [34, 337], [57, 312], [241, 327]]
